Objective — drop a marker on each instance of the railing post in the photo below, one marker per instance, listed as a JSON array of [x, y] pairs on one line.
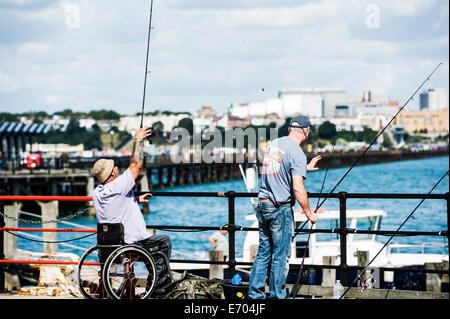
[[2, 244], [448, 225], [343, 235], [231, 233]]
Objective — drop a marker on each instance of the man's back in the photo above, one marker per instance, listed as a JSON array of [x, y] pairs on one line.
[[282, 159], [115, 203]]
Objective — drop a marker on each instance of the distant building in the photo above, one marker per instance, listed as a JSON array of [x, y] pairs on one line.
[[202, 122], [423, 101], [234, 121], [433, 99], [313, 102], [437, 99], [132, 123], [206, 111], [357, 123], [431, 121]]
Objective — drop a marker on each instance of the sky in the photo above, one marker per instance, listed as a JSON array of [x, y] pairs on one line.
[[88, 55]]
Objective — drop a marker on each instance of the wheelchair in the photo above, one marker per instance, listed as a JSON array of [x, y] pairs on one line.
[[115, 270]]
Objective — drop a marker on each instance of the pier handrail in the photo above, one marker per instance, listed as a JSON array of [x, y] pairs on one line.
[[342, 231]]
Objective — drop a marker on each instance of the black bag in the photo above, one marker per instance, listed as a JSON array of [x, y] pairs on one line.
[[109, 234]]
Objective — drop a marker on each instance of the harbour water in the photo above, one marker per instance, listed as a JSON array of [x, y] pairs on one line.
[[412, 176]]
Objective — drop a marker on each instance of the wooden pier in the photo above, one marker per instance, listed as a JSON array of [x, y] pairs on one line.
[[163, 173]]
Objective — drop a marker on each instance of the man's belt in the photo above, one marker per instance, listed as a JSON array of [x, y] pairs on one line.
[[292, 203]]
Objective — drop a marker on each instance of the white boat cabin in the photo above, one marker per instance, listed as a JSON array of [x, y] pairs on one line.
[[328, 244]]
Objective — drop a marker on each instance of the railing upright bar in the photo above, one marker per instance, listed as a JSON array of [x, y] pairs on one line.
[[343, 235], [2, 244], [231, 233], [448, 224]]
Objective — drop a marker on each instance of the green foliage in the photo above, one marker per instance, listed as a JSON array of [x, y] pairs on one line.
[[283, 129], [158, 112], [441, 138], [74, 135], [387, 143], [188, 124], [349, 136], [158, 126], [327, 130], [367, 135], [104, 115], [9, 117], [70, 113]]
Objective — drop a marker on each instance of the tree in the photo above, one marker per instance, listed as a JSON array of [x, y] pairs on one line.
[[367, 135], [8, 117], [387, 143], [188, 124], [104, 115], [346, 135], [327, 130], [283, 129], [158, 126]]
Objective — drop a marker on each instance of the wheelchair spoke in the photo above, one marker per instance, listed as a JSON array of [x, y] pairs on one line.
[[129, 273]]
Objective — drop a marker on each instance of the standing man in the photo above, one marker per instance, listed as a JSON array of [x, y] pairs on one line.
[[114, 202], [284, 169], [220, 242]]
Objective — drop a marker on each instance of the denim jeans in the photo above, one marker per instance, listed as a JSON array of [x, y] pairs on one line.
[[276, 227]]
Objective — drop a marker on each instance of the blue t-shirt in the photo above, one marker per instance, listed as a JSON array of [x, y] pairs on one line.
[[283, 159]]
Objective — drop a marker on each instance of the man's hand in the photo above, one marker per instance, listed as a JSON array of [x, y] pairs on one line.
[[144, 198], [312, 164], [312, 217], [143, 133]]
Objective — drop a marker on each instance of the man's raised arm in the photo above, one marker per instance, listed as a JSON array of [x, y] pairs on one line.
[[137, 157]]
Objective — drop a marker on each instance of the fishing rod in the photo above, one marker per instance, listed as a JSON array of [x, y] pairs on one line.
[[149, 138], [404, 222], [374, 140]]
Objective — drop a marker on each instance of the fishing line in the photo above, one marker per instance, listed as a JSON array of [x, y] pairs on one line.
[[388, 241], [374, 140]]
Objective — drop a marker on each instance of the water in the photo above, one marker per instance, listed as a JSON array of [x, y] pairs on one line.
[[414, 176]]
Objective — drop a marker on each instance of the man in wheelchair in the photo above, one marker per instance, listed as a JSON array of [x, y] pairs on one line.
[[115, 202]]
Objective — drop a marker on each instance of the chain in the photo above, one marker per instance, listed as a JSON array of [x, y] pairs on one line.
[[47, 221]]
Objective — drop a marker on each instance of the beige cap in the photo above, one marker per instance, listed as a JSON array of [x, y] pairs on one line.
[[102, 169]]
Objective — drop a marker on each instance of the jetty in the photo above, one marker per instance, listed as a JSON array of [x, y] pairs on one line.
[[74, 178], [436, 275]]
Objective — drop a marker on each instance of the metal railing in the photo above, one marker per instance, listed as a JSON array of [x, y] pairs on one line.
[[342, 231], [232, 227]]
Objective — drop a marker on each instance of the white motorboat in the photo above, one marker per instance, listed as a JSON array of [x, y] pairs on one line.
[[322, 244]]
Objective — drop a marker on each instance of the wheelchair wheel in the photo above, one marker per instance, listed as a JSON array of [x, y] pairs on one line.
[[129, 273], [90, 281]]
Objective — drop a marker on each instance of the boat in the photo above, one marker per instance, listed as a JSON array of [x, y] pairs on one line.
[[327, 245]]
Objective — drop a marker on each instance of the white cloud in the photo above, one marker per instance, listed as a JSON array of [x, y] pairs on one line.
[[8, 84], [211, 53], [407, 7], [34, 48]]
